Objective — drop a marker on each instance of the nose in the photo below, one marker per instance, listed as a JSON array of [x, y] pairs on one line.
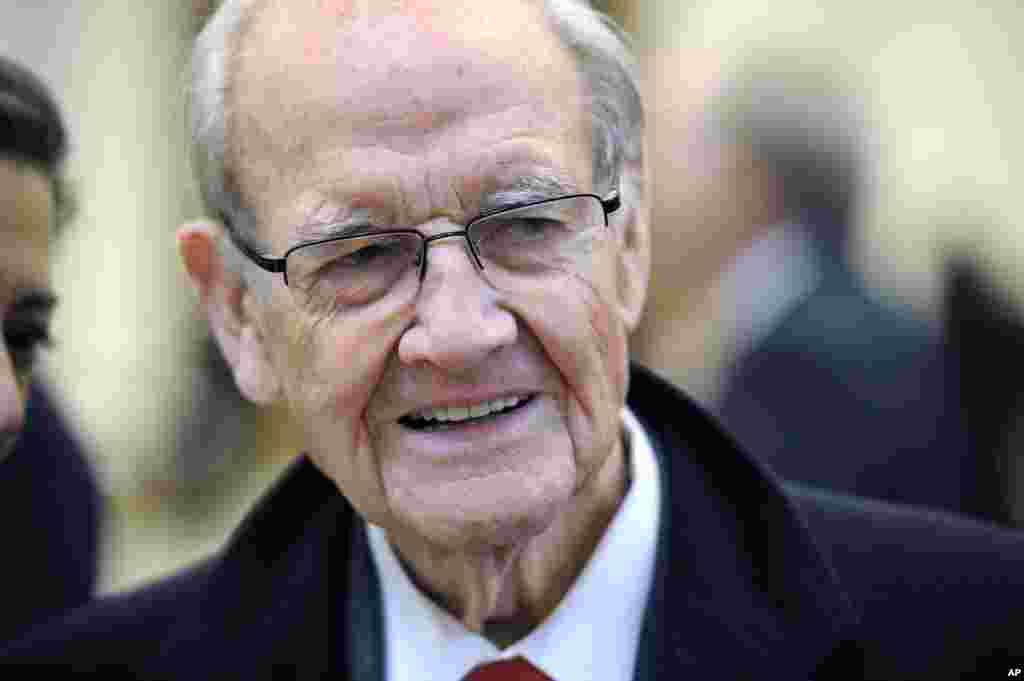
[[459, 321], [12, 404]]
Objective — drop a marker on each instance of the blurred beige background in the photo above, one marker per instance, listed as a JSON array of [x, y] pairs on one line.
[[940, 85], [942, 81]]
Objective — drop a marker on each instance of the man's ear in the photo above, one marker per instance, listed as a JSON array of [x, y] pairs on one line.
[[230, 310], [634, 267]]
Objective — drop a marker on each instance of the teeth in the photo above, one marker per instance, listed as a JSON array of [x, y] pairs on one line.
[[450, 414]]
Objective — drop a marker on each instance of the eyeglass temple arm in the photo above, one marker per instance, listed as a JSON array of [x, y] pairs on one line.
[[269, 264], [612, 203]]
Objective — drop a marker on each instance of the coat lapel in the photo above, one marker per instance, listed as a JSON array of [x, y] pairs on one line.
[[740, 586], [265, 610], [364, 620]]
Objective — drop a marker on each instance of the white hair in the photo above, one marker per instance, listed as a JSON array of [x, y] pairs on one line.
[[208, 94], [800, 113], [602, 54]]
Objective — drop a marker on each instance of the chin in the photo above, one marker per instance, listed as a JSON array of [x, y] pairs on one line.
[[501, 524]]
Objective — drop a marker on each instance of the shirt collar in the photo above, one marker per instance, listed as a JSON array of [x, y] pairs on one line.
[[593, 633]]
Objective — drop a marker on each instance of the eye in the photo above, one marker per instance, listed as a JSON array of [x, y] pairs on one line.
[[514, 235], [353, 270], [370, 254], [528, 228], [23, 341]]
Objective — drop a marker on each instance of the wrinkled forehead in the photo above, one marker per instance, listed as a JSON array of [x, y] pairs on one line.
[[322, 30], [315, 76]]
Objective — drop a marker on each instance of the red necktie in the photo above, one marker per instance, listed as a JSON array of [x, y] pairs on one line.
[[516, 669]]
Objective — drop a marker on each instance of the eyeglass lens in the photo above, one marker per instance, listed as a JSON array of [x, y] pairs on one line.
[[355, 271]]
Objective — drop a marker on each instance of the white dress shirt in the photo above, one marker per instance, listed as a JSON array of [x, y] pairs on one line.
[[594, 632]]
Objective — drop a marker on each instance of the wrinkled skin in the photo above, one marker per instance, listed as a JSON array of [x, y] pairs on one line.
[[495, 522]]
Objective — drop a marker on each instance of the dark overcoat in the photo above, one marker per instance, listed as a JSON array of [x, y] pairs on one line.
[[51, 510], [754, 579]]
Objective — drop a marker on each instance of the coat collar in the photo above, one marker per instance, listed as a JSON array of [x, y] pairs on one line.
[[740, 586]]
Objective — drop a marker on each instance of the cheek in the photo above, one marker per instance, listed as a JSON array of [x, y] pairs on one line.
[[330, 366], [608, 336], [330, 371], [601, 336], [576, 322]]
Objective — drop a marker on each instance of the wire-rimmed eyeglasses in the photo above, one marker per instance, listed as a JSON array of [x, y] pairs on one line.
[[360, 267]]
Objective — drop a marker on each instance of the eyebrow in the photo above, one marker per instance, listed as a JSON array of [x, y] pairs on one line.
[[320, 230], [524, 189]]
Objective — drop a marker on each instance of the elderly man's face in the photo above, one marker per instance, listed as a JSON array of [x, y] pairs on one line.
[[424, 120]]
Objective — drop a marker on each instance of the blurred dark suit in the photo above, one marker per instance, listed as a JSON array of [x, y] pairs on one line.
[[849, 393], [986, 328], [51, 508], [817, 376]]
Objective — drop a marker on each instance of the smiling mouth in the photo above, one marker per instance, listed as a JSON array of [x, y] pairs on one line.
[[453, 417]]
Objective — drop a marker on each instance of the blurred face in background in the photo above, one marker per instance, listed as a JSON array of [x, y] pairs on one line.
[[711, 194], [26, 300], [711, 197]]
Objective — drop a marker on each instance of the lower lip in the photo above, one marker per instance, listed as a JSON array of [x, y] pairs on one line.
[[473, 431]]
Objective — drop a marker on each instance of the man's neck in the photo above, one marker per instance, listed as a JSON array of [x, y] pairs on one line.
[[505, 593]]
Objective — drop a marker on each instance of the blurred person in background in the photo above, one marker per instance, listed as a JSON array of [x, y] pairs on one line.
[[986, 328], [49, 499], [827, 382], [433, 255]]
